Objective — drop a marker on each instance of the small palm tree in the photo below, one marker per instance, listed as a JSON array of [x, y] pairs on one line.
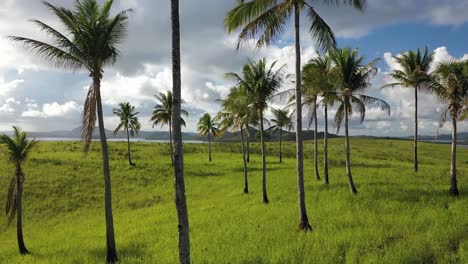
[[129, 123], [451, 86], [282, 119], [261, 83], [208, 127], [162, 114], [414, 74], [352, 77], [90, 42], [16, 150]]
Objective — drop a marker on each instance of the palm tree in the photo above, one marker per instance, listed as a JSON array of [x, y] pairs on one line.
[[352, 77], [282, 119], [129, 122], [261, 82], [16, 150], [178, 157], [208, 127], [414, 74], [162, 114], [451, 86], [90, 42], [268, 19]]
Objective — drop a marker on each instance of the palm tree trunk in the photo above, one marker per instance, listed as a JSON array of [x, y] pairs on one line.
[[280, 152], [246, 182], [348, 160], [416, 129], [19, 211], [262, 143], [209, 146], [128, 148], [181, 203], [248, 144], [325, 145], [303, 219], [453, 167], [317, 174], [171, 147], [110, 237]]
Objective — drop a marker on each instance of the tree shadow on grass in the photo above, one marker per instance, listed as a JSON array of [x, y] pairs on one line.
[[132, 250], [204, 174]]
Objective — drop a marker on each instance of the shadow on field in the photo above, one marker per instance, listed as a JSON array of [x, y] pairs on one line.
[[133, 250], [204, 174]]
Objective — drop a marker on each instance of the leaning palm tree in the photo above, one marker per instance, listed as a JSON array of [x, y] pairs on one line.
[[268, 19], [90, 42], [451, 86], [352, 77], [178, 156], [414, 74], [129, 123], [208, 127], [16, 150], [261, 82], [282, 119], [162, 114]]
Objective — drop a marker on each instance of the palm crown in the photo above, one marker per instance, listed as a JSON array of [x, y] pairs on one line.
[[128, 119], [16, 148], [207, 126], [282, 119], [162, 113]]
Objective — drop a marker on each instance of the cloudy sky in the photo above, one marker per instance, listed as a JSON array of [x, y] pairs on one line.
[[38, 97]]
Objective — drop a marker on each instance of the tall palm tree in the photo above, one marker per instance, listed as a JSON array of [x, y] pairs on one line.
[[352, 77], [414, 74], [282, 119], [129, 122], [90, 42], [178, 157], [162, 114], [208, 127], [268, 19], [451, 86], [261, 83], [16, 150]]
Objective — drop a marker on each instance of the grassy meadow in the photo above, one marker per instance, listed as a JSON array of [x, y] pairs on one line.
[[397, 217]]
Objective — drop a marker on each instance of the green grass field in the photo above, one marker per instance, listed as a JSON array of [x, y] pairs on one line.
[[397, 217]]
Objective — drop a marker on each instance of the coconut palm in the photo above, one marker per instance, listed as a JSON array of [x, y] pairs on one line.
[[208, 127], [451, 86], [129, 123], [16, 150], [414, 74], [267, 19], [261, 82], [178, 157], [282, 119], [89, 42], [352, 77], [162, 114]]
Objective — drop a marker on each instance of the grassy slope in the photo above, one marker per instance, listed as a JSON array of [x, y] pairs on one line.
[[398, 216]]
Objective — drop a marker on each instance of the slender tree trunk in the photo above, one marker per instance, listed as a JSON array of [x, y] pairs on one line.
[[262, 143], [248, 144], [110, 237], [348, 160], [246, 182], [280, 152], [129, 151], [170, 143], [209, 146], [303, 219], [325, 145], [416, 129], [180, 200], [19, 210], [317, 174], [453, 167]]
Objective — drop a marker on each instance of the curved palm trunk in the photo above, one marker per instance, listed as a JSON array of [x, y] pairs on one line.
[[348, 160], [325, 145], [453, 167], [209, 147], [19, 211], [179, 183], [110, 237], [246, 182], [128, 149], [416, 129], [280, 141], [170, 143], [317, 174], [262, 143], [303, 219]]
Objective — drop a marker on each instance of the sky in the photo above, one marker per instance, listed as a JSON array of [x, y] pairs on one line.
[[38, 97]]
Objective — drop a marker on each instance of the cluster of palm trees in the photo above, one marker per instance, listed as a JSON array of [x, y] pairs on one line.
[[336, 78]]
